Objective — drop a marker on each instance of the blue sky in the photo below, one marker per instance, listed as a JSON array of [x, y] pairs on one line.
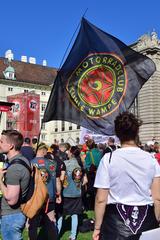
[[43, 29]]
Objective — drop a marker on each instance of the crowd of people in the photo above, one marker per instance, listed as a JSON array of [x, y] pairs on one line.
[[121, 183]]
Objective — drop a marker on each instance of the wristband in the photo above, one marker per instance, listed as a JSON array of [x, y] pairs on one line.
[[95, 228]]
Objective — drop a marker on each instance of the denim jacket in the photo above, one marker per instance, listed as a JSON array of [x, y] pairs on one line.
[[48, 171], [71, 188]]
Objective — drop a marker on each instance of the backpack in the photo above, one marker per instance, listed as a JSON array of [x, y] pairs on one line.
[[87, 225], [37, 193]]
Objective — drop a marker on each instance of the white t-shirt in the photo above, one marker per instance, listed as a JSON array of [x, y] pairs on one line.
[[128, 176]]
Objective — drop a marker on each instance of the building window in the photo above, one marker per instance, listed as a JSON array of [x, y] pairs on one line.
[[10, 89], [43, 93], [11, 76], [43, 125], [43, 137], [134, 107], [78, 126], [56, 126], [63, 126], [43, 107], [25, 90], [77, 140], [62, 140], [70, 126], [9, 125]]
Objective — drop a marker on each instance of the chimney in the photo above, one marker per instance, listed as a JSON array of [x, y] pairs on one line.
[[23, 58], [44, 63], [32, 60], [9, 55]]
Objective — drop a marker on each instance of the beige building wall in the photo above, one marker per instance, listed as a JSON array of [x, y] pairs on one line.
[[149, 95], [67, 133]]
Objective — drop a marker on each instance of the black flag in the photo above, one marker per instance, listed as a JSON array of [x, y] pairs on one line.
[[100, 78]]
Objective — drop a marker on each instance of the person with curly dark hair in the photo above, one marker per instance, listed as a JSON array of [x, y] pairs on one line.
[[128, 182]]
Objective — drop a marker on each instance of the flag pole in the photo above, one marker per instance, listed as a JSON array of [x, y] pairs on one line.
[[39, 136], [71, 40], [61, 66], [70, 43]]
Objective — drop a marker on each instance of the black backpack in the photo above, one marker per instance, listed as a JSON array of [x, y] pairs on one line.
[[87, 225]]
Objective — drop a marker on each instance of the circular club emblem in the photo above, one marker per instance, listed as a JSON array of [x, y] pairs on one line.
[[44, 174], [98, 84], [77, 175]]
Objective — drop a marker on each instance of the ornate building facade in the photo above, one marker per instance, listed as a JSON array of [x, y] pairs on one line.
[[148, 107], [22, 76]]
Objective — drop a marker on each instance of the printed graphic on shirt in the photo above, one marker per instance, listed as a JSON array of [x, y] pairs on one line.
[[41, 161], [65, 182], [51, 168], [77, 176], [45, 175], [47, 169], [133, 216]]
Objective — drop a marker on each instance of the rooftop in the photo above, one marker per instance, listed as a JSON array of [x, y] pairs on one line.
[[29, 73]]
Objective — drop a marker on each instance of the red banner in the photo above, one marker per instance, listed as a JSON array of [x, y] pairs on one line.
[[33, 113], [25, 114], [4, 108]]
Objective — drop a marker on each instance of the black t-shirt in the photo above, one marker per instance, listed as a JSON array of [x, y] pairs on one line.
[[62, 155], [27, 151], [60, 164]]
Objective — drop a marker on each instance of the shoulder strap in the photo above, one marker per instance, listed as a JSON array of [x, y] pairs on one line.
[[91, 154], [110, 157], [20, 161], [110, 148]]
